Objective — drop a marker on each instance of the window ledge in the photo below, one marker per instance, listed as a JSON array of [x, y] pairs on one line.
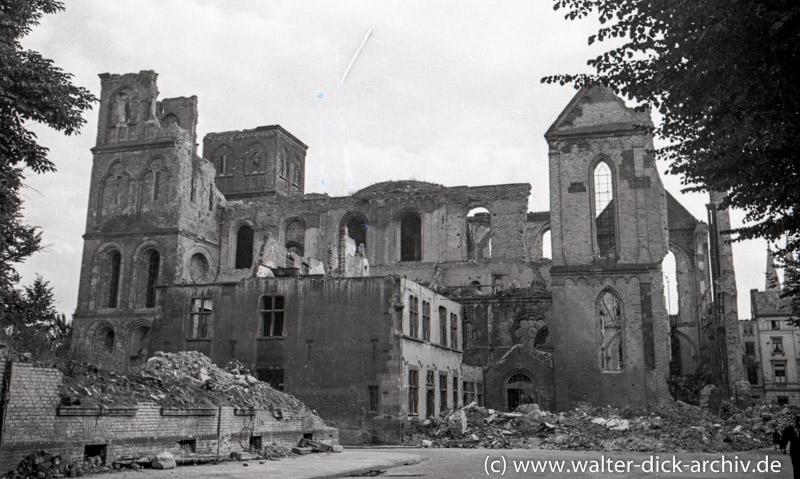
[[200, 339], [270, 338], [612, 371], [412, 338]]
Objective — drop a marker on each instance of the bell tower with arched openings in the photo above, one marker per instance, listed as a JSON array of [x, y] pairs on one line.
[[609, 236], [151, 207]]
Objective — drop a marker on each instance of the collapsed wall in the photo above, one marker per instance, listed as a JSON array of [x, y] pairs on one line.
[[164, 407]]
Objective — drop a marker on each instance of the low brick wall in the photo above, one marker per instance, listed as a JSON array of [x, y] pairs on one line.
[[33, 420]]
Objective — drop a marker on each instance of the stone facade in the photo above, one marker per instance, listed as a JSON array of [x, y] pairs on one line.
[[167, 228]]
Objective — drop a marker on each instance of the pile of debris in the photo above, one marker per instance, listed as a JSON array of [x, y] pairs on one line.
[[43, 465], [176, 380], [672, 427]]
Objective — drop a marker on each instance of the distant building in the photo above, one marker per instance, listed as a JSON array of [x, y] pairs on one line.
[[771, 344]]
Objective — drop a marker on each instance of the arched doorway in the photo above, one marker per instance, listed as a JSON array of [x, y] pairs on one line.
[[519, 390]]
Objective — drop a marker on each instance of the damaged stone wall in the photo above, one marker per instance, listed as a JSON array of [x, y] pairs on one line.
[[688, 241], [595, 288], [150, 194], [34, 421]]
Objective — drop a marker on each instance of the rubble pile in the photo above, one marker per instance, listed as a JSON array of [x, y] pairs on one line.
[[43, 465], [184, 380], [672, 427]]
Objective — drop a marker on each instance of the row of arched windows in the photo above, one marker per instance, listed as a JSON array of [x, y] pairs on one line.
[[244, 239], [147, 267], [105, 340]]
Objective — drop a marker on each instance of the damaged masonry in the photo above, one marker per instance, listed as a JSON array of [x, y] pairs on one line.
[[406, 299]]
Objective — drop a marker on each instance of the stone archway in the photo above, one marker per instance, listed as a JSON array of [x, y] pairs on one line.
[[519, 389]]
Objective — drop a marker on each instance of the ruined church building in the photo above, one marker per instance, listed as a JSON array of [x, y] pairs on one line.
[[406, 298]]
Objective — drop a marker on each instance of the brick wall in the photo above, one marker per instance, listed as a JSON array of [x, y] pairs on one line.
[[34, 421]]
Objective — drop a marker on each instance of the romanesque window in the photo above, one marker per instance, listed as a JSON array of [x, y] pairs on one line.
[[115, 199], [413, 391], [120, 108], [198, 267], [604, 214], [222, 164], [104, 340], [611, 341], [244, 247], [272, 314], [353, 235], [426, 320], [137, 345], [200, 318], [295, 237], [413, 316], [410, 237], [153, 265], [113, 265], [453, 330], [479, 234], [443, 326]]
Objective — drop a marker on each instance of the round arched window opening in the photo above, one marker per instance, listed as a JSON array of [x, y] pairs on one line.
[[479, 234], [519, 390], [410, 237], [104, 340], [198, 267]]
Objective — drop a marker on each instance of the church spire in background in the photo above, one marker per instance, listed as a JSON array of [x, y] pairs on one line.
[[772, 282]]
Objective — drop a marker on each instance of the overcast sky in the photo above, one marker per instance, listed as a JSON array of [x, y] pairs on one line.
[[447, 92]]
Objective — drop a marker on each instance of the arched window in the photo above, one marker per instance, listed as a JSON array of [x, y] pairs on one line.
[[609, 310], [410, 237], [295, 237], [153, 264], [104, 340], [222, 164], [137, 345], [547, 244], [519, 390], [479, 234], [604, 215], [112, 267], [669, 274], [244, 247], [354, 234]]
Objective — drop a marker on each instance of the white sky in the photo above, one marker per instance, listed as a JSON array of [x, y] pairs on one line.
[[447, 92]]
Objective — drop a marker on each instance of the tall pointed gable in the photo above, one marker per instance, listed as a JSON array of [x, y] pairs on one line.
[[596, 110]]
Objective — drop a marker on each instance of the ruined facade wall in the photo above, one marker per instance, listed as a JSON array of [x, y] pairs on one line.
[[597, 127], [34, 421], [336, 340]]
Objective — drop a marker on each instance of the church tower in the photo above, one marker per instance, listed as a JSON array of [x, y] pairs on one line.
[[609, 236], [151, 214]]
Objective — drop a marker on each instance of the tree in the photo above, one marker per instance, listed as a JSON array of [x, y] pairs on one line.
[[723, 74], [32, 90]]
